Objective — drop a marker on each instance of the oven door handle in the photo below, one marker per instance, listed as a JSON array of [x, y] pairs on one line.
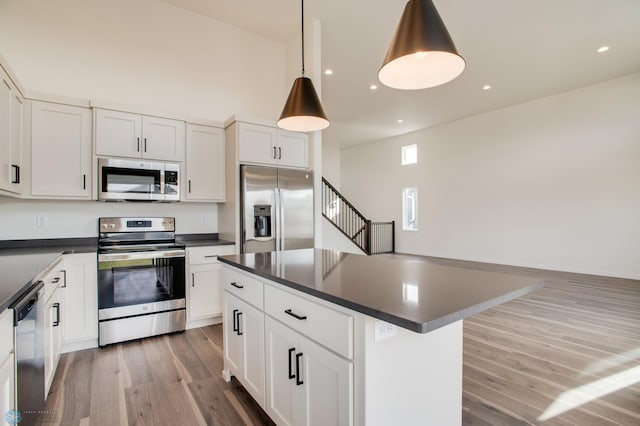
[[164, 254]]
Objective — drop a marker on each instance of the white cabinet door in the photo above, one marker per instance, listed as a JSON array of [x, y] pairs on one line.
[[205, 163], [327, 392], [52, 337], [251, 326], [11, 121], [256, 144], [162, 139], [61, 150], [80, 298], [232, 340], [7, 388], [204, 292], [244, 345], [292, 149], [118, 134], [281, 347], [306, 383]]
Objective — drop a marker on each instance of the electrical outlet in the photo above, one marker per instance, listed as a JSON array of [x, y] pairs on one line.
[[42, 221], [204, 220], [384, 330]]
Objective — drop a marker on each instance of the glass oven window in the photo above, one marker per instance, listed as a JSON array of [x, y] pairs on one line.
[[131, 282], [123, 180]]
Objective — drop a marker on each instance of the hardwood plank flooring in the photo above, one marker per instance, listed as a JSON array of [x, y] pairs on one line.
[[568, 354]]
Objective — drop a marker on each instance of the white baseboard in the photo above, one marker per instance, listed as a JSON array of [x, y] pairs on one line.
[[79, 345], [204, 322]]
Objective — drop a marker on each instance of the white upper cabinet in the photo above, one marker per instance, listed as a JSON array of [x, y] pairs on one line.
[[268, 145], [11, 134], [123, 134], [60, 151], [204, 164], [293, 149]]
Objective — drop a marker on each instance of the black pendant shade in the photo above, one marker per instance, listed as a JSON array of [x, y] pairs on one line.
[[422, 53], [303, 111]]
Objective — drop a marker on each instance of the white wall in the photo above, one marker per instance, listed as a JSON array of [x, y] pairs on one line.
[[143, 53], [70, 219], [553, 183]]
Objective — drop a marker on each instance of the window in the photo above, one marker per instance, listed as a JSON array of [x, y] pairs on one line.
[[409, 154], [410, 209]]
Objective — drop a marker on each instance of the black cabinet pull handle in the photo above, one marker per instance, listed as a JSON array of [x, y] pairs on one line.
[[296, 316], [64, 278], [193, 279], [235, 321], [16, 174], [57, 308], [209, 256], [279, 153], [291, 375], [145, 144], [298, 381], [237, 285], [55, 280], [138, 148], [189, 186], [239, 331], [274, 152], [84, 181]]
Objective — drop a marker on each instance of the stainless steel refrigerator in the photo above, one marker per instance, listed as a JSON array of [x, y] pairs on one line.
[[276, 209]]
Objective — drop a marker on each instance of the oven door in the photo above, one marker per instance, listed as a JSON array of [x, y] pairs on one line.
[[137, 283], [130, 180]]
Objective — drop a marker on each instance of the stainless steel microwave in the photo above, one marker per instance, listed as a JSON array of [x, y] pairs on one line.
[[137, 180]]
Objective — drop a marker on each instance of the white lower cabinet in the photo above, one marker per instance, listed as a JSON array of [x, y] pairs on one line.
[[7, 364], [306, 383], [80, 299], [204, 283], [298, 381], [244, 345], [52, 337]]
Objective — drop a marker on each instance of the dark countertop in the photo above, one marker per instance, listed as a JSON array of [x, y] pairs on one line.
[[412, 292], [22, 260], [200, 240]]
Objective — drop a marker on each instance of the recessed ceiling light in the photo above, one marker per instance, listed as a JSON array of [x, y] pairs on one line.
[[486, 87], [603, 49], [400, 121], [328, 71], [373, 87]]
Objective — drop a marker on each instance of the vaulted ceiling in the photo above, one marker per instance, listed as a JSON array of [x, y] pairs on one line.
[[523, 50]]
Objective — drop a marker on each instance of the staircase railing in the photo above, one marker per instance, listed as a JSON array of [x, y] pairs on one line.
[[370, 237]]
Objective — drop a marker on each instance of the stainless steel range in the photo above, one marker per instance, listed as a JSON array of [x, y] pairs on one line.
[[141, 278]]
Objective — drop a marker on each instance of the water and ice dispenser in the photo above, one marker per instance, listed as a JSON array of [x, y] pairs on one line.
[[262, 220]]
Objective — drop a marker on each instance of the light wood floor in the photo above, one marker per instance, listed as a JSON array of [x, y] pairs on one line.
[[568, 354]]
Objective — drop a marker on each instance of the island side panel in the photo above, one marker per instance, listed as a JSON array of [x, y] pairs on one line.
[[411, 378]]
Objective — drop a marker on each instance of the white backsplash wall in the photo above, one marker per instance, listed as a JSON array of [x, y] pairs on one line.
[[552, 183], [23, 219]]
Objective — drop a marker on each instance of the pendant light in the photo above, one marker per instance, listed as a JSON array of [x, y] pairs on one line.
[[303, 111], [422, 53]]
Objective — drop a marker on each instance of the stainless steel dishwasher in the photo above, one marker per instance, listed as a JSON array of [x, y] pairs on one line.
[[29, 327]]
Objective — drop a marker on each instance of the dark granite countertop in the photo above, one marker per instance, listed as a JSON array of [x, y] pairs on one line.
[[199, 240], [412, 292], [22, 260]]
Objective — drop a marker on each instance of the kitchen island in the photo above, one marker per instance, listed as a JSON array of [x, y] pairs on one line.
[[325, 337]]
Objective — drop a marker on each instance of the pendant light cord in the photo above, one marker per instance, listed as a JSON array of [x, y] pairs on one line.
[[302, 20]]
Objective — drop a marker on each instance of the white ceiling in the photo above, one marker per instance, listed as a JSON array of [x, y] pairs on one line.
[[523, 49]]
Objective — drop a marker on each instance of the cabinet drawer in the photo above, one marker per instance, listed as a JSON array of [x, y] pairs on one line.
[[56, 277], [6, 333], [326, 326], [208, 254], [244, 286]]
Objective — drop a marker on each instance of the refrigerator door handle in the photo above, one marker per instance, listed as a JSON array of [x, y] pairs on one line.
[[276, 211]]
